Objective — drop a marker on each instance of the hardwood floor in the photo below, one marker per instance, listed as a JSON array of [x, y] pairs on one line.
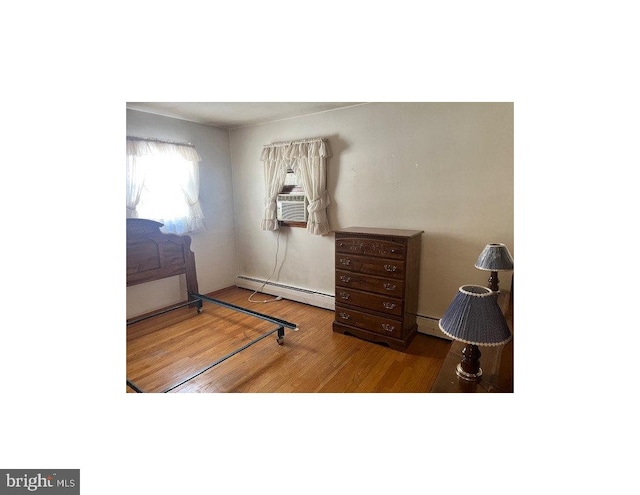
[[166, 350]]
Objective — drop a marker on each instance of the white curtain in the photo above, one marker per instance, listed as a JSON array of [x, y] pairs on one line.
[[312, 165], [191, 189], [308, 158], [164, 166], [135, 183], [276, 163]]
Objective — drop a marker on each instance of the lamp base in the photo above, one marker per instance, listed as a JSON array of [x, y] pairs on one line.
[[494, 283], [472, 377], [469, 368]]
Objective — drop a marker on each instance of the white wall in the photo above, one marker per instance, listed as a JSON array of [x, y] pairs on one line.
[[214, 249], [445, 168]]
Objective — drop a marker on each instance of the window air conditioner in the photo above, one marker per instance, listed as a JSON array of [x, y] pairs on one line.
[[292, 207]]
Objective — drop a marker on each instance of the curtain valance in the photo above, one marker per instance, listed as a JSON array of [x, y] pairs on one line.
[[295, 150], [140, 147]]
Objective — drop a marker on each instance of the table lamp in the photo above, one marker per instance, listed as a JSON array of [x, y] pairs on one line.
[[495, 258], [474, 317]]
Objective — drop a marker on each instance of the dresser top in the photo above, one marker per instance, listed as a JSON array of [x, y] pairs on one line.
[[375, 231]]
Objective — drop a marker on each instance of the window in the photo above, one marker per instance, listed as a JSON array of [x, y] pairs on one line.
[[163, 184], [292, 183], [307, 160]]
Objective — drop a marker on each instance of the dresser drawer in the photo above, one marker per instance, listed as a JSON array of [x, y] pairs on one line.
[[374, 302], [371, 323], [353, 280], [371, 247], [371, 266]]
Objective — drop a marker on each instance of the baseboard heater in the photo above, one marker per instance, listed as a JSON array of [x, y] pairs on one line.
[[426, 324], [429, 326], [297, 294]]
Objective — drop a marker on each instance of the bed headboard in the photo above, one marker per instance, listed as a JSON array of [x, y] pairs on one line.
[[152, 255]]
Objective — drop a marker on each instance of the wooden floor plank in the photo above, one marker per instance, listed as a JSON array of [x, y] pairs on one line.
[[169, 348]]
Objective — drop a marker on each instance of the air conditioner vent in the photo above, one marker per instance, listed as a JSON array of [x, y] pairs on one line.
[[292, 207]]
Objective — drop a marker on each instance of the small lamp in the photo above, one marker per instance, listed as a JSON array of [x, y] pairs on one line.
[[495, 258], [474, 317]]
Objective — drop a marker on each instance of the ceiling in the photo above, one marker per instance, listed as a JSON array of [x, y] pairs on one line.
[[231, 115]]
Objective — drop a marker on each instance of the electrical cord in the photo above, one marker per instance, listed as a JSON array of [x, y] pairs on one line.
[[275, 265]]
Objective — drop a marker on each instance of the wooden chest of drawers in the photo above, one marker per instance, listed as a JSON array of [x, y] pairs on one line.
[[377, 273]]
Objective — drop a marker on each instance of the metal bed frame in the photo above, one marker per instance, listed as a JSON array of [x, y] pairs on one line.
[[152, 255]]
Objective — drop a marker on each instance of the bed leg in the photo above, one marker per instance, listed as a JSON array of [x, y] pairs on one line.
[[280, 338]]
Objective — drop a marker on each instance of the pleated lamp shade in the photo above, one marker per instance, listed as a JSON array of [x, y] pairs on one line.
[[474, 317], [495, 257]]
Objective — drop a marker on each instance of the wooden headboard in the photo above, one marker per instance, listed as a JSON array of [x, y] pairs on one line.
[[153, 255]]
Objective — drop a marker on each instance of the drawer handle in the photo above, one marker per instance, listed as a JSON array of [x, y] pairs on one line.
[[345, 295], [345, 262], [390, 268], [353, 246], [389, 286], [344, 278], [388, 328], [344, 316], [389, 305]]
